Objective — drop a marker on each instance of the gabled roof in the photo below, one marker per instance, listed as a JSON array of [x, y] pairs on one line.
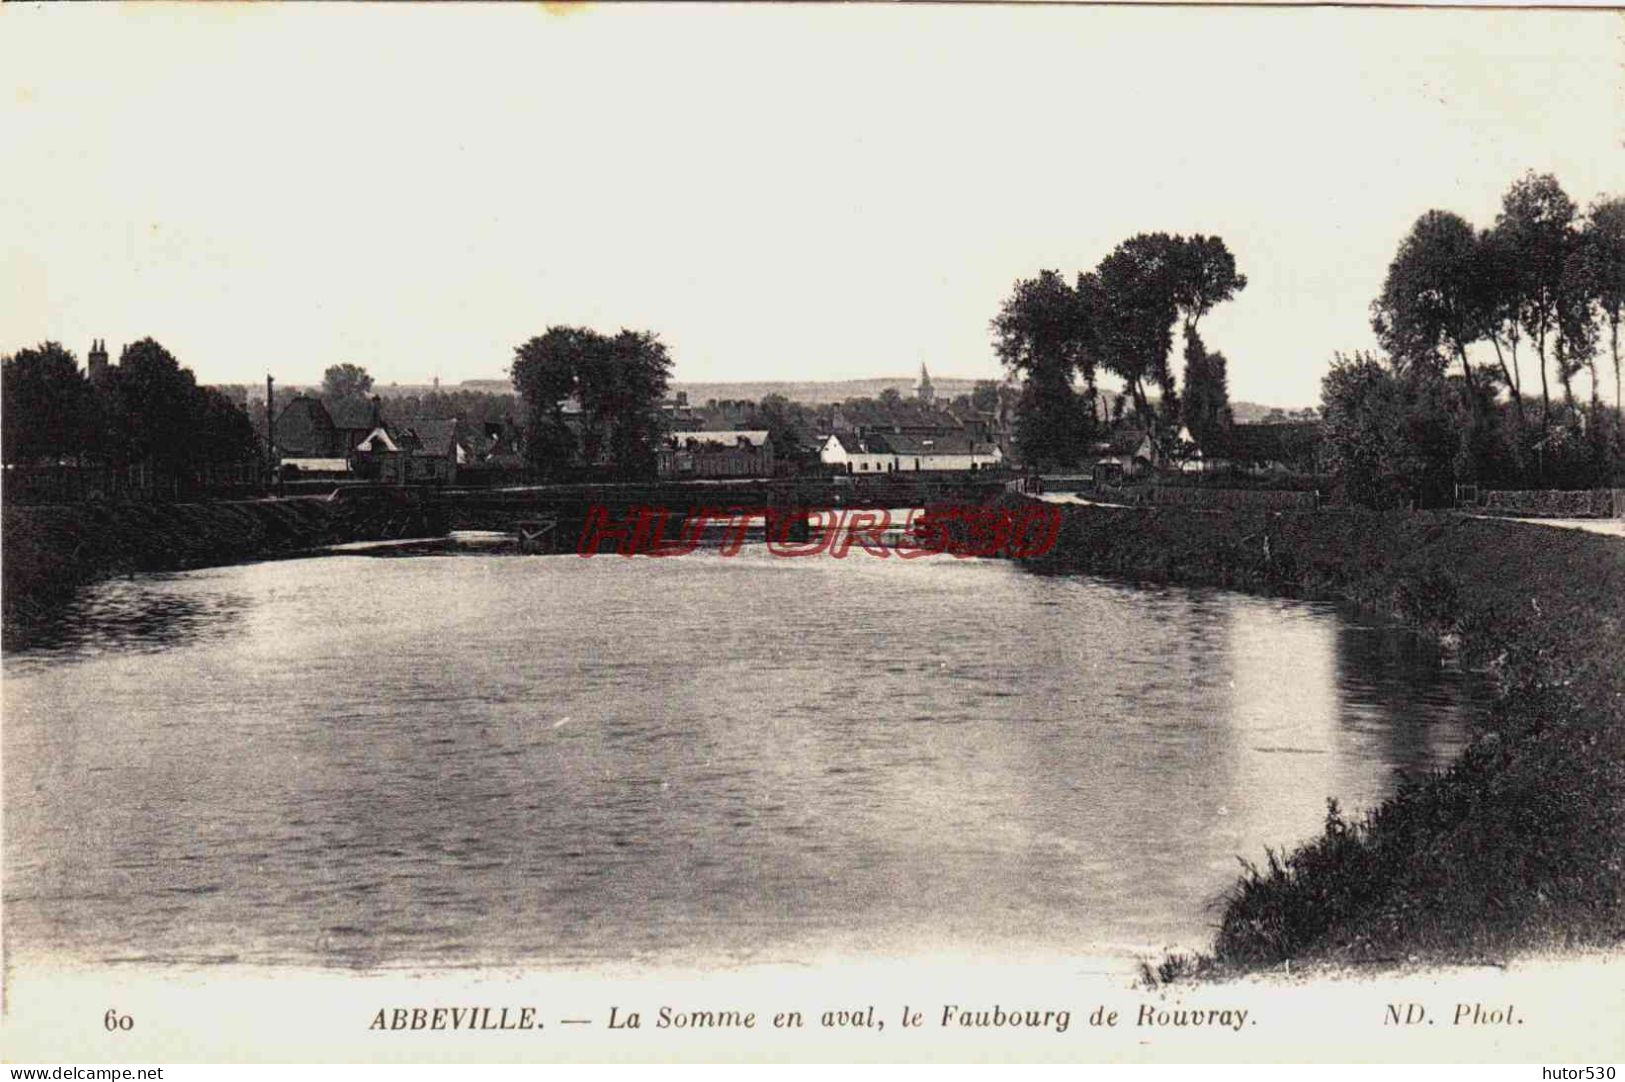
[[1124, 441], [309, 407], [378, 439], [430, 437], [859, 445], [353, 413], [905, 414], [952, 443]]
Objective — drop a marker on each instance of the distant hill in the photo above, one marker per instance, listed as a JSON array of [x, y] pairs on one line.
[[809, 392], [819, 392]]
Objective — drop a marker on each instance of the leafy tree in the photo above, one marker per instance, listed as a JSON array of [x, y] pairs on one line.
[[784, 421], [1430, 309], [984, 396], [224, 432], [1603, 248], [545, 372], [1500, 285], [627, 387], [1206, 276], [1434, 304], [1537, 224], [1577, 326], [1206, 403], [1133, 300], [153, 403], [1042, 334], [1052, 423], [890, 398], [1390, 436], [617, 383], [346, 381], [1041, 326], [46, 405]]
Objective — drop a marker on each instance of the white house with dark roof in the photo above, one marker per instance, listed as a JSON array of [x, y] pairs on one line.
[[954, 451], [855, 454], [894, 452]]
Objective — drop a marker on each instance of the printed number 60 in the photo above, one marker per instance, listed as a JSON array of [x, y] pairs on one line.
[[113, 1021]]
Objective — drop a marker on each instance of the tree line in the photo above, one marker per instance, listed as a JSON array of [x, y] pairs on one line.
[[146, 410], [1119, 319], [594, 399], [1449, 400]]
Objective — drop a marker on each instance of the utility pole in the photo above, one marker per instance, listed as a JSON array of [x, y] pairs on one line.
[[270, 422]]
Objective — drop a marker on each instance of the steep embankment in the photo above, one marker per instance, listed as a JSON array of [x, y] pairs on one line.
[[1521, 844], [49, 551]]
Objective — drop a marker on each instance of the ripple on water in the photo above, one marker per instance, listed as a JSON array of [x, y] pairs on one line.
[[446, 760]]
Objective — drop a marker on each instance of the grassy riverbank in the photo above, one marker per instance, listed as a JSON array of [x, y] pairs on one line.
[[1520, 845], [50, 551]]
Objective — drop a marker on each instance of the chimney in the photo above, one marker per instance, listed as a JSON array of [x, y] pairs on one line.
[[97, 360]]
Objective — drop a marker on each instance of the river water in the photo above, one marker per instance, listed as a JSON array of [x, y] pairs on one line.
[[485, 758]]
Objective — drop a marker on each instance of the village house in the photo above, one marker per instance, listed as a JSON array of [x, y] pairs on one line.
[[1127, 453], [1130, 452], [429, 452], [354, 419], [306, 441], [304, 429], [956, 451], [903, 435], [500, 445], [313, 440], [852, 453], [713, 453], [895, 452]]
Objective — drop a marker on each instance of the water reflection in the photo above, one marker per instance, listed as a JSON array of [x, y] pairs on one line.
[[143, 614], [548, 759]]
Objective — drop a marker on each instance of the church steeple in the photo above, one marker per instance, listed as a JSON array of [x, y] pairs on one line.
[[923, 389]]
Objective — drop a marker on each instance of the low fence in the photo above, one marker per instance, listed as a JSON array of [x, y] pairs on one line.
[[74, 484], [1236, 498], [1554, 503]]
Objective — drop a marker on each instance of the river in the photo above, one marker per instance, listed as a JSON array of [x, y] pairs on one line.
[[483, 758]]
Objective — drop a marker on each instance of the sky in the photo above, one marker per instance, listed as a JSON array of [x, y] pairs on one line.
[[780, 192]]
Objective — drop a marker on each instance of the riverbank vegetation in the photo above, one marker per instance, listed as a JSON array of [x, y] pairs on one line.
[[1484, 334], [1117, 320], [52, 550], [1518, 846], [146, 409], [1446, 402], [594, 399]]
